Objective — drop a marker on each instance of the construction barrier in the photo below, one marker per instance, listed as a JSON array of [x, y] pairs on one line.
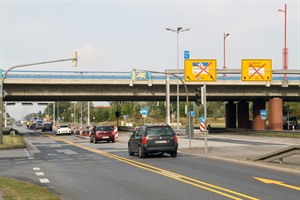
[[75, 131], [202, 127], [80, 130], [116, 133]]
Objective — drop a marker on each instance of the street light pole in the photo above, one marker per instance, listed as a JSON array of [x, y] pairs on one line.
[[224, 38], [73, 59], [285, 50], [178, 30]]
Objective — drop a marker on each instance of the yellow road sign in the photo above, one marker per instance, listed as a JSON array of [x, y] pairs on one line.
[[256, 70], [200, 70]]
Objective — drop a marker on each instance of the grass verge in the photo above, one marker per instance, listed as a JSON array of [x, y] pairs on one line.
[[12, 142], [13, 189]]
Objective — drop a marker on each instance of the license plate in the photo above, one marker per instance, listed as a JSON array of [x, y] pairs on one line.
[[161, 142], [104, 137]]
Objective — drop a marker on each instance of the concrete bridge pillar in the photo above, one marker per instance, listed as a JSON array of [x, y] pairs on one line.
[[243, 114], [230, 111], [258, 123], [275, 114]]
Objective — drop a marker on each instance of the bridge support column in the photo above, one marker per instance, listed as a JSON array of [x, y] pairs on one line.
[[243, 114], [230, 111], [275, 114], [258, 123]]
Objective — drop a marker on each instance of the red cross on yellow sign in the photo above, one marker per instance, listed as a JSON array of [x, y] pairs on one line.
[[256, 70], [197, 70]]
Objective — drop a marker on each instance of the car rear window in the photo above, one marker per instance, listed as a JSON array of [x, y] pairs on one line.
[[64, 126], [104, 128], [158, 131]]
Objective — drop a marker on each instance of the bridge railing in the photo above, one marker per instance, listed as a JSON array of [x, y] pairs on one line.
[[104, 75]]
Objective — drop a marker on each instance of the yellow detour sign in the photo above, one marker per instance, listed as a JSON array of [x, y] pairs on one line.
[[201, 70], [256, 70]]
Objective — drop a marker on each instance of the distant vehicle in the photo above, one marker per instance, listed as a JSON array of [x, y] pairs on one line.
[[153, 139], [289, 122], [40, 124], [33, 126], [47, 126], [102, 133], [63, 129], [18, 123]]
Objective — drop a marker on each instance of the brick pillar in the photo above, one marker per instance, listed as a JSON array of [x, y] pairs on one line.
[[275, 114], [230, 111], [243, 114], [258, 123]]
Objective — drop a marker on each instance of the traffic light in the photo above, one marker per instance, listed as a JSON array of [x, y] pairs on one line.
[[117, 114], [198, 96]]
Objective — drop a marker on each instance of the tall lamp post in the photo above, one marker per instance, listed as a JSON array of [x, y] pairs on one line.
[[284, 50], [178, 30], [73, 59], [224, 39]]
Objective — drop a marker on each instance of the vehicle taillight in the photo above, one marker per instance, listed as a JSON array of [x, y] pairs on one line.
[[144, 140], [175, 139]]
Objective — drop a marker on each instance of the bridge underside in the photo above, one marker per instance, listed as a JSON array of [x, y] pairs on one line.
[[94, 92], [237, 95]]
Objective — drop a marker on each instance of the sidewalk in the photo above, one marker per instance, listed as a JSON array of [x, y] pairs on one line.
[[242, 149]]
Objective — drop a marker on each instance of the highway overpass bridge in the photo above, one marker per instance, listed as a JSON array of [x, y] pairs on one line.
[[122, 86]]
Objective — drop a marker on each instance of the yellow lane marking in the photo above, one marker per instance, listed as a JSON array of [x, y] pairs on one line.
[[269, 181], [166, 173]]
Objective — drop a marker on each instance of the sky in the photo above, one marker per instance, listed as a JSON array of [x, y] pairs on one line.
[[117, 36]]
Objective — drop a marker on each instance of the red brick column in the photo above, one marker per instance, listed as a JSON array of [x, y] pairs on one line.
[[275, 114], [258, 123]]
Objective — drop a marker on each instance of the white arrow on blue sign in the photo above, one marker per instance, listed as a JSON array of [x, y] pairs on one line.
[[186, 54], [202, 119]]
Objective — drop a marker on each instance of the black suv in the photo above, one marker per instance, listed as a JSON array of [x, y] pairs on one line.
[[153, 139]]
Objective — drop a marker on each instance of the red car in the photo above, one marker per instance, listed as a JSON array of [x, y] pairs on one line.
[[102, 133]]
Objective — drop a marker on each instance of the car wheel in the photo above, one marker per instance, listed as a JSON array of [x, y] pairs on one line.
[[113, 141], [141, 152], [130, 153], [95, 140], [174, 154], [91, 140]]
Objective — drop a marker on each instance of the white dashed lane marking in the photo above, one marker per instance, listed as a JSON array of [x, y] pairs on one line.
[[40, 173], [42, 180]]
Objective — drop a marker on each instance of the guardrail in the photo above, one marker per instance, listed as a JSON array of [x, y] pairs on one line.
[[280, 154]]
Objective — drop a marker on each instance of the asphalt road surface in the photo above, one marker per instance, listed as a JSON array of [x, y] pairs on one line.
[[74, 168]]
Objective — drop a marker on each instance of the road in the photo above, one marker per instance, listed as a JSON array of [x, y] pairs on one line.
[[73, 168]]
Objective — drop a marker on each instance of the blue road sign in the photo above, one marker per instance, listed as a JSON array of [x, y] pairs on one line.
[[192, 113], [186, 54], [202, 119], [144, 111], [263, 113]]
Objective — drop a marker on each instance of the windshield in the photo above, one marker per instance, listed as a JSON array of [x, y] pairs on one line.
[[104, 128], [158, 131]]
